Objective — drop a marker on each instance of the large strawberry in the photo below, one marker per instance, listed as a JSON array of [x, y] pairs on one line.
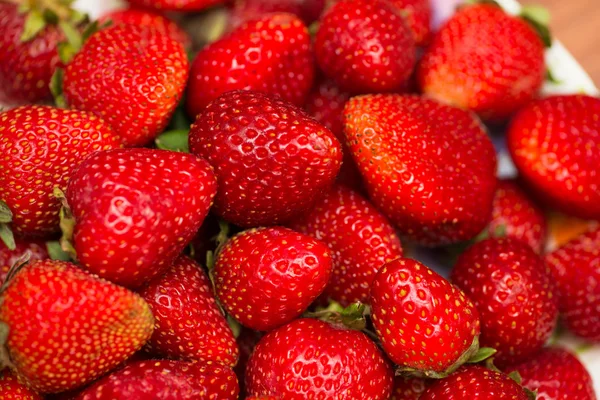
[[41, 146], [429, 167], [12, 389], [424, 322], [360, 238], [165, 380], [247, 10], [267, 277], [514, 215], [189, 324], [576, 270], [418, 15], [484, 60], [311, 359], [271, 159], [66, 327], [131, 76], [514, 293], [34, 250], [270, 55], [136, 210], [556, 374], [176, 5], [555, 144], [365, 46]]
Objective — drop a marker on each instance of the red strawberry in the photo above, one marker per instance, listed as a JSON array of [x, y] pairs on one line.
[[418, 17], [360, 238], [41, 147], [272, 160], [556, 374], [484, 60], [413, 308], [270, 55], [576, 270], [165, 380], [131, 76], [136, 210], [514, 294], [269, 276], [66, 327], [176, 5], [189, 324], [555, 144], [311, 359], [149, 19], [408, 388], [430, 168], [476, 382], [36, 249], [517, 216], [262, 398], [247, 10], [12, 389], [365, 46]]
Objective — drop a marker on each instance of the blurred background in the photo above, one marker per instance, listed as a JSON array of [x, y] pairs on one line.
[[576, 23]]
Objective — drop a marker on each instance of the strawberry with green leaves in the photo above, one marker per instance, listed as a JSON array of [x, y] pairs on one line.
[[360, 238], [430, 168], [135, 210], [80, 327], [33, 250], [12, 389], [189, 324]]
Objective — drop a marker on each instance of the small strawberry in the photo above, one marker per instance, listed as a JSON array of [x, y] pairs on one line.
[[556, 374], [149, 19], [476, 382], [136, 209], [360, 238], [514, 294], [66, 327], [188, 322], [429, 167], [517, 216], [35, 248], [365, 46], [418, 17], [165, 380], [555, 144], [131, 76], [267, 277], [271, 159], [484, 60], [406, 388], [424, 322], [12, 389], [247, 10], [576, 270], [176, 5], [311, 359], [270, 55], [41, 146]]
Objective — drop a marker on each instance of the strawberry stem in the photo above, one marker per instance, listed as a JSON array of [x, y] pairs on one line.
[[5, 361], [6, 234], [67, 224], [352, 317]]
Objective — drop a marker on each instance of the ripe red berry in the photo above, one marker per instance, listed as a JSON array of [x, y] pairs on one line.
[[36, 249], [12, 389]]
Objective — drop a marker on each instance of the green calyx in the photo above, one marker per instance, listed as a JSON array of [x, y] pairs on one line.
[[175, 140], [4, 354], [6, 235], [67, 225], [539, 19], [352, 317], [41, 13]]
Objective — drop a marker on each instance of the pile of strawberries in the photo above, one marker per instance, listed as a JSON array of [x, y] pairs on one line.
[[240, 218]]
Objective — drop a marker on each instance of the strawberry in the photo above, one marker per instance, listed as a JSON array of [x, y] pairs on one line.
[[429, 167], [517, 216], [66, 327], [413, 308], [555, 143], [365, 46], [406, 388], [41, 147], [131, 76], [35, 248], [476, 382], [176, 5], [136, 210], [165, 380], [12, 389], [360, 238], [262, 398], [556, 374], [576, 271], [417, 14], [514, 294], [272, 160], [149, 19], [269, 276], [311, 359], [484, 60], [247, 10], [270, 55], [189, 324]]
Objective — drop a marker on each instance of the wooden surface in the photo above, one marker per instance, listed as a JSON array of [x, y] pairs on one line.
[[576, 24]]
